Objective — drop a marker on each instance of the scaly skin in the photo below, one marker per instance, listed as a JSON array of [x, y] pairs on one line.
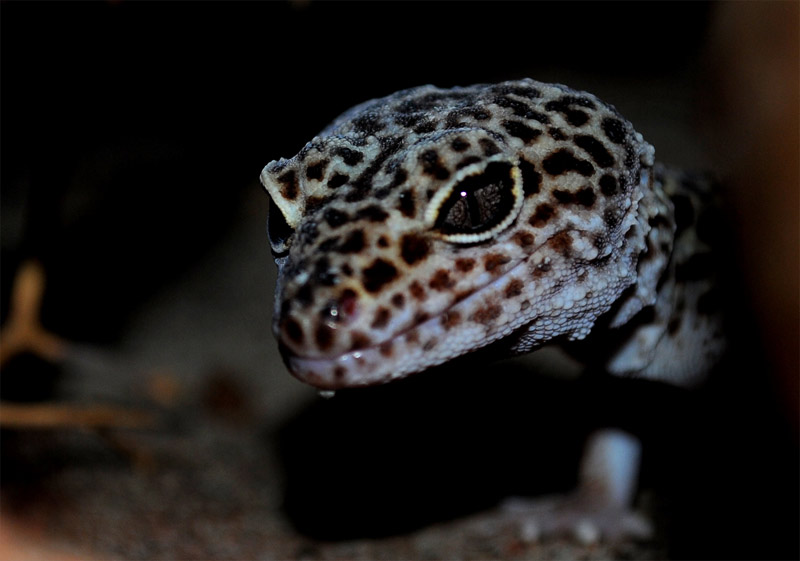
[[383, 273]]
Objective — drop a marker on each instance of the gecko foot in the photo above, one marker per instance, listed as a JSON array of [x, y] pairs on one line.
[[575, 516]]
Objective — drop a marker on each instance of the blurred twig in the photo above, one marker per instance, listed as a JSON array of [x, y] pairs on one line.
[[49, 415], [23, 331]]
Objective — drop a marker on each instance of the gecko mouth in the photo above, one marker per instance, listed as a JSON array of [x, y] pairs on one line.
[[418, 347]]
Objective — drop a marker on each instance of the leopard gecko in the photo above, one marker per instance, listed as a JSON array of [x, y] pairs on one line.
[[432, 222]]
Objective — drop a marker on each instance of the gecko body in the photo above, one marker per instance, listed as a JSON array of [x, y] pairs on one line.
[[432, 222]]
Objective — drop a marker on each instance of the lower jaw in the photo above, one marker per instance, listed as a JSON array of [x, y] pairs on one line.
[[366, 367]]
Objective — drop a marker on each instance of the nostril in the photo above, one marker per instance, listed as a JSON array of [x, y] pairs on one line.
[[343, 308]]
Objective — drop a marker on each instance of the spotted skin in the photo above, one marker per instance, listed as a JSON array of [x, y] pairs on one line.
[[430, 223]]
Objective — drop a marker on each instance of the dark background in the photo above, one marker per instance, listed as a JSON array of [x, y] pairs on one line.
[[129, 130], [132, 138]]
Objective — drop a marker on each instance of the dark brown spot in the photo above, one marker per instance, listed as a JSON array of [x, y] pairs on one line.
[[673, 325], [421, 317], [562, 243], [416, 290], [317, 170], [339, 372], [289, 187], [354, 242], [399, 178], [608, 185], [378, 274], [338, 180], [349, 156], [523, 239], [383, 241], [459, 296], [575, 117], [467, 161], [543, 213], [521, 109], [441, 280], [323, 335], [372, 213], [563, 197], [596, 150], [489, 147], [412, 337], [386, 349], [487, 314], [614, 129], [531, 179], [329, 244], [563, 161], [398, 300], [459, 144], [381, 318], [368, 124], [513, 288], [453, 120], [304, 295], [414, 248], [465, 264], [541, 269], [522, 91], [495, 260], [314, 203], [432, 164], [425, 127], [347, 270], [450, 319], [520, 130], [335, 218], [556, 133], [479, 113], [406, 205], [359, 340], [586, 197], [293, 331]]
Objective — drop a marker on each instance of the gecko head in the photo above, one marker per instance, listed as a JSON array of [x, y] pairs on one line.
[[427, 224]]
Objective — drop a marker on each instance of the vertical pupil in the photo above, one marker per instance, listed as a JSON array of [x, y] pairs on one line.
[[469, 199], [480, 201]]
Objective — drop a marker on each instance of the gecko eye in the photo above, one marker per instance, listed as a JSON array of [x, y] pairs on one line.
[[278, 230], [480, 205]]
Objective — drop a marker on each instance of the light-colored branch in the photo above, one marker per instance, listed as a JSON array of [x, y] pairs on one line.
[[55, 415], [23, 331]]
